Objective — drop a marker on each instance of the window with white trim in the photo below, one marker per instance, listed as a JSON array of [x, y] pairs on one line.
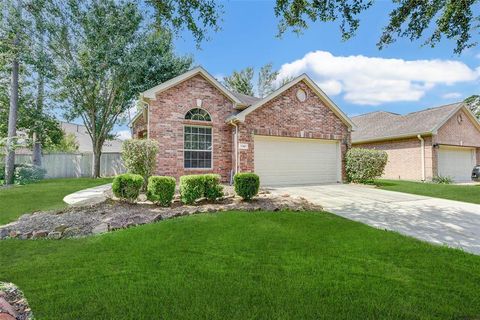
[[198, 114], [197, 152], [197, 141]]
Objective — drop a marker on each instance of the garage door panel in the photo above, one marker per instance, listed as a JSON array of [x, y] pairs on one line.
[[288, 161], [456, 162]]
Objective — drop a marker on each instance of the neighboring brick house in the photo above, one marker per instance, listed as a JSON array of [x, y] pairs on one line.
[[450, 136], [296, 135]]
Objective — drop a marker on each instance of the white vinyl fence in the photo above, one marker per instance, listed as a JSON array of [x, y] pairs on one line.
[[75, 165]]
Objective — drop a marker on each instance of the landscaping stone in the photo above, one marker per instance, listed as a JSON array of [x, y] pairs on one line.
[[39, 234], [5, 307], [4, 233], [113, 215], [6, 316], [71, 232], [101, 228], [54, 235], [13, 305], [61, 228]]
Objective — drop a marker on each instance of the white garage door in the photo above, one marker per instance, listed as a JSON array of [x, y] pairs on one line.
[[456, 163], [296, 161]]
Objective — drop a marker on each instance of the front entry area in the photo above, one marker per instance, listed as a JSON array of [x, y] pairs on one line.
[[456, 162], [283, 161]]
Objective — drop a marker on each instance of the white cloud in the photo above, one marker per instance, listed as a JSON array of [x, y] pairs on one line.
[[452, 95], [372, 81], [124, 134]]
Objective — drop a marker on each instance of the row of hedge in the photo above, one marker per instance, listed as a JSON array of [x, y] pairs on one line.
[[161, 189]]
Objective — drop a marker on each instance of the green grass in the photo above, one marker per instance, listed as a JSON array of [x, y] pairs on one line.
[[44, 195], [465, 193], [244, 266]]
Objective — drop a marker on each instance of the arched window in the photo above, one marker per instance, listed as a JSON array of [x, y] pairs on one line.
[[198, 115], [197, 141]]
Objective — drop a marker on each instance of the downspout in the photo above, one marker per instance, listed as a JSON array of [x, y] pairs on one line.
[[148, 119], [422, 151], [235, 170]]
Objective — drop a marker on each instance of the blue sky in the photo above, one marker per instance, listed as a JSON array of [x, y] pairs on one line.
[[401, 78]]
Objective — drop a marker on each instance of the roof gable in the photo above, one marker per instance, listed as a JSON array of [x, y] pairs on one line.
[[383, 125], [151, 93], [319, 92]]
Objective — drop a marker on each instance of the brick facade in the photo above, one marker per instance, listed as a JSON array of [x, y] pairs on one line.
[[139, 127], [463, 133], [167, 121], [282, 116], [404, 156], [286, 116]]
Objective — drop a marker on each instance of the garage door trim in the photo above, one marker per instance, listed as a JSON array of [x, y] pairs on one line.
[[332, 166]]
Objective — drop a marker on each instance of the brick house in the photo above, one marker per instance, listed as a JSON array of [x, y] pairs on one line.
[[296, 135], [442, 141]]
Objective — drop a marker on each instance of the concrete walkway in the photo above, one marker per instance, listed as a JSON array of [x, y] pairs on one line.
[[87, 196], [439, 221]]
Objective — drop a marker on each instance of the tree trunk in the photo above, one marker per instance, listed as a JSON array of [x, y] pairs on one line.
[[97, 153], [37, 151], [12, 123], [38, 129]]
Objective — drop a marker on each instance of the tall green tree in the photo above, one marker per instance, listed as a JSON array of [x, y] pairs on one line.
[[105, 56], [428, 20], [12, 30], [266, 80], [23, 56], [240, 81], [473, 102], [243, 81]]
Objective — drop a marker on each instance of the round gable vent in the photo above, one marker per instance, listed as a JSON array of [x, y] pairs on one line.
[[301, 95]]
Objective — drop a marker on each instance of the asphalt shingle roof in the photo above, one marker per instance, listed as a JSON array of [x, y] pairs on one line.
[[382, 124], [247, 100]]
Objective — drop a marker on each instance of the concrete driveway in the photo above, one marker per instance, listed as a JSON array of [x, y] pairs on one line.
[[456, 224]]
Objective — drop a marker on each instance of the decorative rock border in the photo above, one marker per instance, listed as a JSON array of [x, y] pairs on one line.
[[112, 215], [13, 305]]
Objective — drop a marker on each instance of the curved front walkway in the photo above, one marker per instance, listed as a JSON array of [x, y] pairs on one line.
[[88, 196], [440, 221]]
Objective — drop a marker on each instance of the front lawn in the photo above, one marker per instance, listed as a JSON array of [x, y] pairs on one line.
[[465, 193], [244, 266], [44, 195]]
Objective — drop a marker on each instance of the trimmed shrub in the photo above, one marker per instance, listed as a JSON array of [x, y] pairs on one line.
[[161, 190], [364, 165], [213, 188], [2, 171], [28, 173], [197, 186], [127, 186], [140, 157], [442, 180], [246, 185], [192, 187]]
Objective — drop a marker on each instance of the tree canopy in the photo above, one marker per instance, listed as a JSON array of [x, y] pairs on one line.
[[243, 81], [412, 19], [105, 54]]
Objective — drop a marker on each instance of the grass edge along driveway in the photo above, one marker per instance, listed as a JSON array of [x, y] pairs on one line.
[[47, 194], [465, 193], [244, 265]]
